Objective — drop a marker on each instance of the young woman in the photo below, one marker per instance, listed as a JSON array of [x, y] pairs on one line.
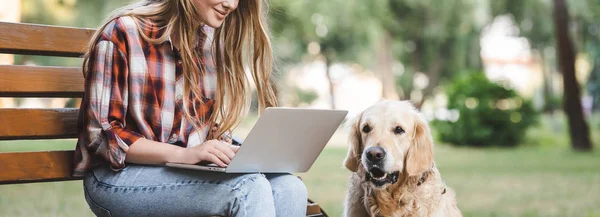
[[154, 95]]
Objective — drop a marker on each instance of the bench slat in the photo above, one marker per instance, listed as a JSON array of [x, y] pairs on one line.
[[38, 123], [34, 39], [25, 167], [41, 81]]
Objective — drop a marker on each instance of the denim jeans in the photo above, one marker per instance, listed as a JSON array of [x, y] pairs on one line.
[[141, 190]]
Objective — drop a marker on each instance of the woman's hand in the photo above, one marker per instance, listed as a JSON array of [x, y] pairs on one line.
[[215, 151]]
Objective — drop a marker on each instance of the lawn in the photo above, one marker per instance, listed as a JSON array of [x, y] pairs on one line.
[[534, 180], [523, 182]]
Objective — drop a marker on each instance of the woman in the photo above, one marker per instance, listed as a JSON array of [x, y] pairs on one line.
[[154, 95]]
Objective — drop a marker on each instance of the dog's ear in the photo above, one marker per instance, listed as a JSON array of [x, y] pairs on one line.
[[420, 154], [352, 160]]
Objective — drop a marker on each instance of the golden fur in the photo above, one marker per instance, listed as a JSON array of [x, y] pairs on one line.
[[419, 190]]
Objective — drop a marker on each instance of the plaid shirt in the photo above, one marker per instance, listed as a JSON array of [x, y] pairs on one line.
[[133, 90]]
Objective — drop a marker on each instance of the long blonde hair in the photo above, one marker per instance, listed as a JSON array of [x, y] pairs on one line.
[[241, 41]]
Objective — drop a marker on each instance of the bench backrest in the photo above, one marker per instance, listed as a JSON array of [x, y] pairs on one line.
[[39, 81]]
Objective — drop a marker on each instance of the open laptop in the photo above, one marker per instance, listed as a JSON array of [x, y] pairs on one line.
[[283, 140]]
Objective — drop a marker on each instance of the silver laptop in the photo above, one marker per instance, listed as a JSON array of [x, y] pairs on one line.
[[283, 140]]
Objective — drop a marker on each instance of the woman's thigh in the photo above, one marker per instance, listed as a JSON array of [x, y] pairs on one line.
[[141, 190], [289, 194]]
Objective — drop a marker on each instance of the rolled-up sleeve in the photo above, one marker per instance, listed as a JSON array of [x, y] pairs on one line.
[[107, 99]]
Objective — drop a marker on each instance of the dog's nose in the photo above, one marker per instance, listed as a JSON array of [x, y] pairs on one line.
[[375, 154]]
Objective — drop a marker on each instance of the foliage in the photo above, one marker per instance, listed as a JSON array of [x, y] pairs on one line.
[[302, 96], [404, 82], [76, 13], [341, 28], [488, 114], [533, 18], [588, 36], [434, 39]]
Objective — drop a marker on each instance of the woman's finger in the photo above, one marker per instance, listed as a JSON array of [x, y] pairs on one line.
[[223, 147], [216, 160], [234, 148], [222, 156]]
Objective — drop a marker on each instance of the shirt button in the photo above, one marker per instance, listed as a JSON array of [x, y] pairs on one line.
[[174, 136], [179, 62]]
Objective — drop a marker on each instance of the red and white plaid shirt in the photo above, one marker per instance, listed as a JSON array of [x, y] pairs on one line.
[[133, 90]]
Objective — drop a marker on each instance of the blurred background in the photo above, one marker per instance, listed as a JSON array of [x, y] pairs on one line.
[[511, 89]]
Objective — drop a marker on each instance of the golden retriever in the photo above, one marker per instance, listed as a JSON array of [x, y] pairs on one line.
[[391, 158]]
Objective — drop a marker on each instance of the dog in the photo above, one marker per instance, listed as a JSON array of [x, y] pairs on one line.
[[391, 158]]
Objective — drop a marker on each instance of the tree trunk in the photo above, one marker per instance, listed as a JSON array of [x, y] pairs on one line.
[[433, 74], [331, 85], [417, 59], [547, 83], [385, 61], [578, 129]]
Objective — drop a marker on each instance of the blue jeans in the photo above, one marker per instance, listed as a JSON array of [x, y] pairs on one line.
[[141, 190]]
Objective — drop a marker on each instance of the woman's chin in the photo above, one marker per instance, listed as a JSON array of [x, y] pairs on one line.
[[214, 23]]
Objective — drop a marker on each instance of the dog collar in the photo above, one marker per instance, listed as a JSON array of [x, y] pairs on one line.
[[424, 177]]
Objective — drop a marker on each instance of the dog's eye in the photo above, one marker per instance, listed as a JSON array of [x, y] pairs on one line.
[[366, 129], [398, 130]]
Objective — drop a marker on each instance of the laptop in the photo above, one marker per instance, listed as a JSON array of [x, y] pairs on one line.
[[283, 140]]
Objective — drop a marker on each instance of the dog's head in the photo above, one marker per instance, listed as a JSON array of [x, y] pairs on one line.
[[387, 140]]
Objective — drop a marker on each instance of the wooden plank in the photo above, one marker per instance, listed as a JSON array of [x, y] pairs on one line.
[[313, 209], [40, 81], [25, 167], [34, 39], [38, 123]]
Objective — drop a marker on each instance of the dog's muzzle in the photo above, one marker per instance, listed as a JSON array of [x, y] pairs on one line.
[[379, 178], [375, 164]]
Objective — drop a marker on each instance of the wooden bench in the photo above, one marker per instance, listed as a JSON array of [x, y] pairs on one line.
[[45, 81]]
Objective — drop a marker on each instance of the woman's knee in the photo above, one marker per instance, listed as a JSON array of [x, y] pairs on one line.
[[254, 197], [255, 185], [288, 186]]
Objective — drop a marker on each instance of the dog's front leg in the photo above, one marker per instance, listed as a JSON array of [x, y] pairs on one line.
[[354, 203]]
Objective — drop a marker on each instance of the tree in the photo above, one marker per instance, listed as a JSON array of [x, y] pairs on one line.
[[425, 37], [436, 40], [77, 13], [586, 23], [578, 129], [543, 33], [531, 17], [334, 31]]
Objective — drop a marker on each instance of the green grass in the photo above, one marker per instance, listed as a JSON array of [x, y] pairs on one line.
[[552, 132], [542, 178], [490, 182]]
